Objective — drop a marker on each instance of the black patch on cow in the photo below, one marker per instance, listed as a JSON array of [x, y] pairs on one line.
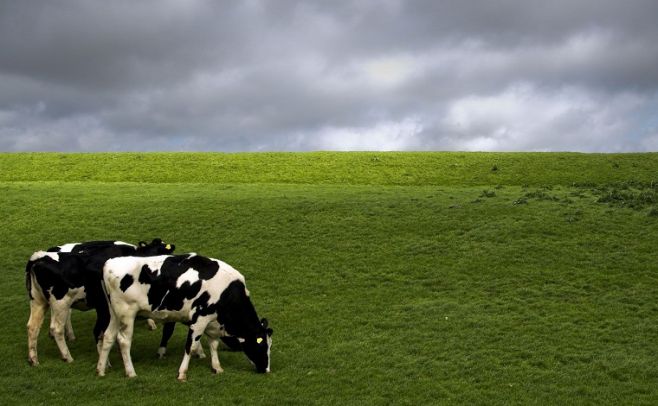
[[202, 301], [202, 307], [58, 277], [157, 291], [126, 282], [236, 312], [163, 293], [176, 296], [147, 275], [167, 332], [232, 343], [206, 267]]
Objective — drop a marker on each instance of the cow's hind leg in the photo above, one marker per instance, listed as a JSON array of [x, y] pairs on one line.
[[37, 314], [125, 337], [60, 312], [214, 356], [109, 336], [199, 351], [101, 325], [193, 341]]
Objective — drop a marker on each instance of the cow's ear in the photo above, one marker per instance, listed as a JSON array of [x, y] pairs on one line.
[[142, 244], [264, 322], [269, 332]]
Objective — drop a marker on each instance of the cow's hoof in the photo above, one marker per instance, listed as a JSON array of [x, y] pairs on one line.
[[131, 375], [68, 360], [33, 361], [200, 355], [70, 337], [182, 378], [217, 370], [151, 324], [100, 373], [162, 351]]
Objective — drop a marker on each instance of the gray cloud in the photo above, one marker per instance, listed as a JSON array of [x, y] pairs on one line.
[[292, 75]]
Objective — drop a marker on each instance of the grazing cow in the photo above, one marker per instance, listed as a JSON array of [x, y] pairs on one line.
[[70, 276], [207, 294]]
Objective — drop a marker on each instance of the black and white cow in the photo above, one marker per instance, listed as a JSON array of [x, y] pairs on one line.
[[205, 293], [70, 276]]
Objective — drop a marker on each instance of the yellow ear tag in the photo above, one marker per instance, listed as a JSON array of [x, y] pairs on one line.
[[168, 246], [259, 340]]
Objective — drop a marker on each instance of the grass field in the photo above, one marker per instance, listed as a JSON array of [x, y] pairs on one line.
[[405, 278]]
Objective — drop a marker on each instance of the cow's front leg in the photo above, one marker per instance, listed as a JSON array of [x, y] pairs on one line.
[[167, 331], [193, 340], [70, 335]]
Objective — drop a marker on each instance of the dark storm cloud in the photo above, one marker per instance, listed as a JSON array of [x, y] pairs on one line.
[[293, 75]]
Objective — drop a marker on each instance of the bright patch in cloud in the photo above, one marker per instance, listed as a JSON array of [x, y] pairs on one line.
[[524, 117], [386, 136], [388, 72]]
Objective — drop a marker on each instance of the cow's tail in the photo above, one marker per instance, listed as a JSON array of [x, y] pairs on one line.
[[28, 279], [106, 292]]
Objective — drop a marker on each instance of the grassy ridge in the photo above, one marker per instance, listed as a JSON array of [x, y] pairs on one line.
[[494, 294], [367, 168]]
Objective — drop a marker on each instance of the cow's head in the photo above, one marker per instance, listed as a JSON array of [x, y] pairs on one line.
[[155, 247], [257, 348]]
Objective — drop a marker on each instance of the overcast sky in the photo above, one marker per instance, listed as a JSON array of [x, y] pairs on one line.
[[184, 75]]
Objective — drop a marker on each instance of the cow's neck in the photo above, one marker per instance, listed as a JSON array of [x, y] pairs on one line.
[[236, 312]]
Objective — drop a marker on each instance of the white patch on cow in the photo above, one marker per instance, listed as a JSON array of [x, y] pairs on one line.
[[77, 294], [269, 347], [190, 276], [68, 247], [41, 254], [124, 243], [225, 275], [73, 295], [214, 329]]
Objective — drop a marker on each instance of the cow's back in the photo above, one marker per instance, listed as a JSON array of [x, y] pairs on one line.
[[167, 287]]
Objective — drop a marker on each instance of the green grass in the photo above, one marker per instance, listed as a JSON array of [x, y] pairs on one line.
[[362, 168], [527, 284]]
